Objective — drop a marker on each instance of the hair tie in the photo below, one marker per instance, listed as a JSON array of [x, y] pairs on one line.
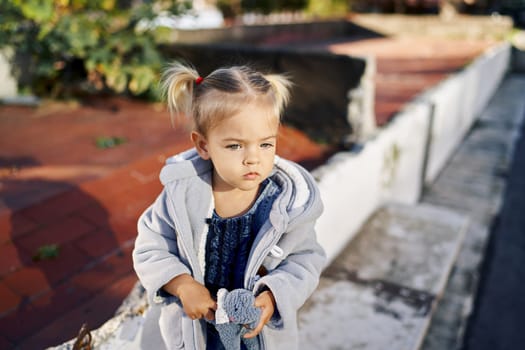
[[199, 80]]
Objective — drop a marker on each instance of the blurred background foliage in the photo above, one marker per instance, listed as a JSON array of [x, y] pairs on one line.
[[67, 48], [70, 48]]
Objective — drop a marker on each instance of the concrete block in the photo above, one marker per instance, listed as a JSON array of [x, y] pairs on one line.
[[379, 293], [405, 245], [343, 315]]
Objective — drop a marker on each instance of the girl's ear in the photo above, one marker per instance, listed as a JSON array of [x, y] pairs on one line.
[[200, 144]]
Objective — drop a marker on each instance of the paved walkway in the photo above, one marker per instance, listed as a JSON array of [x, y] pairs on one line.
[[474, 183], [57, 188], [499, 316]]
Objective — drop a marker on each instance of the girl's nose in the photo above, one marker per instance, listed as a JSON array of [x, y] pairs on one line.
[[251, 157]]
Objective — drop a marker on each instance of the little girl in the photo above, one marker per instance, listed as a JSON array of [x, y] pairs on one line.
[[231, 215]]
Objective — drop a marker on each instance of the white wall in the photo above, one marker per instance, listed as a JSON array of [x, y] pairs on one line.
[[390, 166], [458, 102], [354, 185]]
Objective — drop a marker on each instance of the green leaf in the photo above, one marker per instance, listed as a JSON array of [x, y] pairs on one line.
[[71, 43], [117, 79], [107, 5], [141, 79], [104, 142], [37, 10], [47, 252]]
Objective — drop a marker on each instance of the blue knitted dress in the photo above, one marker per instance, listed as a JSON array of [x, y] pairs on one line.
[[228, 247]]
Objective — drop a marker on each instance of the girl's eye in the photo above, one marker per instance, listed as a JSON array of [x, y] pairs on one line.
[[234, 146], [267, 145]]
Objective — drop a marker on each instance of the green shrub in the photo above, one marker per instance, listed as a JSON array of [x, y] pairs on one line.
[[71, 47], [328, 8]]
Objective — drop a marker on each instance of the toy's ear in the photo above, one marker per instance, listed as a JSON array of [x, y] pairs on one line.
[[221, 315]]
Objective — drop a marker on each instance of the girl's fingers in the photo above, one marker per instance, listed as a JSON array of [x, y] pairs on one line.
[[210, 315], [265, 317], [256, 331]]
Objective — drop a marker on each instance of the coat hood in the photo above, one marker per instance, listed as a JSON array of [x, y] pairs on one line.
[[183, 165]]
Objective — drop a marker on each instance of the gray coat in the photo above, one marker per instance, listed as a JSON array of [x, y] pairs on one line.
[[172, 235]]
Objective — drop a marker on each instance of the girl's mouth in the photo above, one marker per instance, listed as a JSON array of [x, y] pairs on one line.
[[251, 176]]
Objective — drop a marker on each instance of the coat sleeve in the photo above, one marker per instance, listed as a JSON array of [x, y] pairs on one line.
[[296, 276], [156, 256]]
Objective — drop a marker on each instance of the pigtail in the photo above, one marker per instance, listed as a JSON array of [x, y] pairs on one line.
[[280, 85], [177, 88]]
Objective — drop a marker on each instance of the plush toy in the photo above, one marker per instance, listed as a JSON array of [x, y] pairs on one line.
[[235, 316]]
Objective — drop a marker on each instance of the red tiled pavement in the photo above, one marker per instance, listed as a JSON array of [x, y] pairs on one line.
[[8, 299], [57, 187], [27, 282]]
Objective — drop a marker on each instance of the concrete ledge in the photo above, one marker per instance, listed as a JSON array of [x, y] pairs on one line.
[[380, 292]]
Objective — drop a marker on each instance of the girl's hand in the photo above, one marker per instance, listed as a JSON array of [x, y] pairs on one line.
[[195, 298], [266, 302]]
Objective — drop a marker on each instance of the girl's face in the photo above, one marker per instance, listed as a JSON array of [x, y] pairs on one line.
[[241, 148]]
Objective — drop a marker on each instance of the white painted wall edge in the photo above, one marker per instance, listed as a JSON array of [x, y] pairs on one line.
[[458, 102], [391, 166]]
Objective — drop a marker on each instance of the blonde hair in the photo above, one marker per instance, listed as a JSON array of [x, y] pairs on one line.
[[222, 93]]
